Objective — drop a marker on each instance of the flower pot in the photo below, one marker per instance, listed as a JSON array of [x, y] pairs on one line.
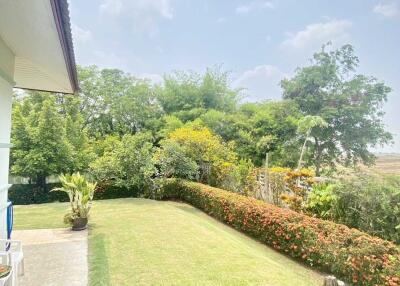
[[79, 223]]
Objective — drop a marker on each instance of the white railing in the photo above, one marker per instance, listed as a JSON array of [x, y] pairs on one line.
[[5, 145]]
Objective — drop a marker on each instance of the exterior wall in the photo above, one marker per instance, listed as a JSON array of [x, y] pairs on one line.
[[7, 63], [5, 130]]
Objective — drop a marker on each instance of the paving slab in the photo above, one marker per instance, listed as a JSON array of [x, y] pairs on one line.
[[54, 257]]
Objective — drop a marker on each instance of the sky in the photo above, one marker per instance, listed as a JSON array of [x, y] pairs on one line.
[[258, 42]]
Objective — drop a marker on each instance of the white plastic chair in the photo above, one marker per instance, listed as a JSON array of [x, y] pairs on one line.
[[13, 248], [6, 280]]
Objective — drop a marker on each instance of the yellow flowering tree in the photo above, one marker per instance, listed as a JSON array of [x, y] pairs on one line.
[[216, 160]]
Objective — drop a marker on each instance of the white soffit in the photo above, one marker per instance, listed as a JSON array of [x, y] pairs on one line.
[[28, 28]]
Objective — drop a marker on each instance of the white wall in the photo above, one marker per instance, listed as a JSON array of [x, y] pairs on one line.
[[7, 63], [5, 130]]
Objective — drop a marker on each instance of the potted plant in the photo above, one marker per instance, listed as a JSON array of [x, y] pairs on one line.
[[80, 192]]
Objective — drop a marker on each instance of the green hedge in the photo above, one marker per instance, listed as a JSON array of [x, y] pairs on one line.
[[348, 253], [30, 194]]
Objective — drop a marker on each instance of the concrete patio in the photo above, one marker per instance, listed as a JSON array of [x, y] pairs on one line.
[[54, 257]]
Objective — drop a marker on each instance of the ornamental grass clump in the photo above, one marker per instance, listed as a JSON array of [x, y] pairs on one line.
[[80, 192], [350, 254]]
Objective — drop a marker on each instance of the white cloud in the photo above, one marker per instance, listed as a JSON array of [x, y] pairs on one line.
[[314, 35], [389, 10], [142, 15], [80, 35], [254, 5], [261, 82]]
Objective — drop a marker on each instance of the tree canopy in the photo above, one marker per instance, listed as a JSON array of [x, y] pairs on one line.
[[350, 104], [329, 115]]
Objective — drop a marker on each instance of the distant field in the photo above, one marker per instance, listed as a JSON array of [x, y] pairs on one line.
[[387, 163]]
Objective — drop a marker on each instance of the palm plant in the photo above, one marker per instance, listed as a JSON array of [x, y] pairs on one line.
[[80, 192]]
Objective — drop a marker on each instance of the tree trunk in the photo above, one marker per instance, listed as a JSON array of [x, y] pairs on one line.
[[318, 156], [303, 148], [41, 182]]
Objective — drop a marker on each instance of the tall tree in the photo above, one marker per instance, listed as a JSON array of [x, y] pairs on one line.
[[257, 128], [188, 91], [350, 103], [114, 102], [41, 148], [76, 134]]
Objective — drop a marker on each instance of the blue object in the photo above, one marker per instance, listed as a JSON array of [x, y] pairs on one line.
[[10, 219]]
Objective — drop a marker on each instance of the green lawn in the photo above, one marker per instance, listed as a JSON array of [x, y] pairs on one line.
[[145, 242]]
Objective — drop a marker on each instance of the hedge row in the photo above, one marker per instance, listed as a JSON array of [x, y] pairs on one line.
[[348, 253], [30, 194]]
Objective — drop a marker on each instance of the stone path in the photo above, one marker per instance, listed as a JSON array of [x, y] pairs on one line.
[[54, 257]]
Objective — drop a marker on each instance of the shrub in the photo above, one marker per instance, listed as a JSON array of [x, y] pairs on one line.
[[320, 200], [206, 149], [348, 253], [128, 165], [369, 203], [31, 194], [173, 162], [298, 184]]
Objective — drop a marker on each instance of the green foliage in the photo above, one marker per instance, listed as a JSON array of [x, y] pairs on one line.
[[347, 253], [369, 203], [213, 157], [173, 161], [308, 122], [321, 199], [25, 194], [129, 164], [104, 145], [259, 128], [76, 135], [80, 193], [113, 102], [170, 123], [39, 137], [349, 103], [186, 91]]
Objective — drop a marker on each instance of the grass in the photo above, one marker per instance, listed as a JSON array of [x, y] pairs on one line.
[[145, 242]]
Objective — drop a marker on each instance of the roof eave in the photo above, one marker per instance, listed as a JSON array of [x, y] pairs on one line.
[[62, 21]]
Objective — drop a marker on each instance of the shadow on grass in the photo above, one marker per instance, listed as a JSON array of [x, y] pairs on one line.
[[189, 209], [99, 273]]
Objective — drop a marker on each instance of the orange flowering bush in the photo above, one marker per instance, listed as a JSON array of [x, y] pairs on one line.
[[348, 253]]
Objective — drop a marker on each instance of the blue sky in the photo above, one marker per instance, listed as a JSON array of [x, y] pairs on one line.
[[259, 42]]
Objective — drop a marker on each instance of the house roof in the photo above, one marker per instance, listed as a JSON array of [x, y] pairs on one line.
[[61, 17], [36, 49]]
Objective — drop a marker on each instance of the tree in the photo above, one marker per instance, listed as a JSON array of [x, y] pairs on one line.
[[173, 162], [129, 164], [213, 157], [186, 91], [114, 102], [306, 124], [41, 148], [76, 134], [350, 103]]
